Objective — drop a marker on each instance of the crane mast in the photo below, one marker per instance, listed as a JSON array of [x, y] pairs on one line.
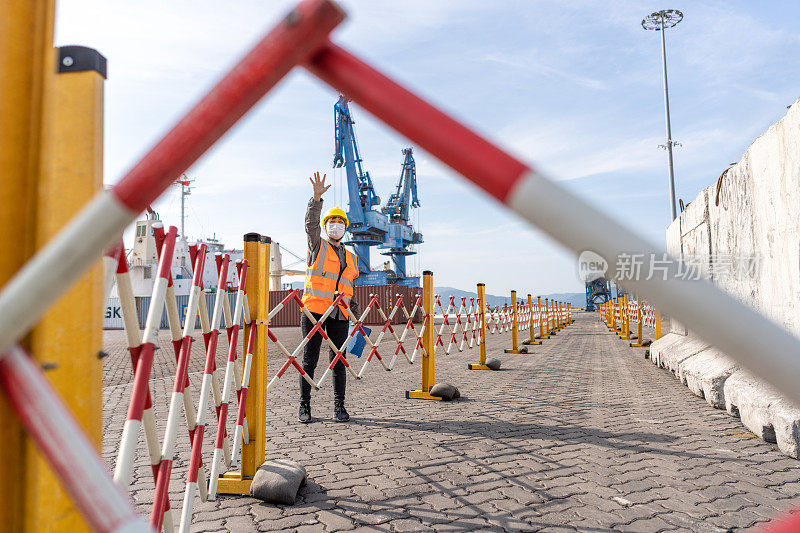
[[387, 228]]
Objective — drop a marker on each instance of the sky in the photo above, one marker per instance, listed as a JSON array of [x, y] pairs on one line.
[[573, 88]]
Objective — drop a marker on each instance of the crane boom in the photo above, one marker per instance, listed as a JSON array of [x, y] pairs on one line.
[[389, 228]]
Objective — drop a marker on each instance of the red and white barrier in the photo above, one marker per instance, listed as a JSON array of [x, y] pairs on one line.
[[63, 443], [228, 382], [178, 397], [143, 362], [134, 340]]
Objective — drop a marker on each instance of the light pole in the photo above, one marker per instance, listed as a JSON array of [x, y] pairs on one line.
[[660, 21], [186, 189]]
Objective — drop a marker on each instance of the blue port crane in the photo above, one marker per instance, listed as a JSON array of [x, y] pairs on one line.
[[598, 291], [389, 228]]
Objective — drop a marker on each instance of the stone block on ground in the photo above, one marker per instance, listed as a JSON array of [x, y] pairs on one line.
[[705, 374], [278, 481], [786, 422], [445, 391], [764, 411], [679, 352], [493, 363], [661, 345]]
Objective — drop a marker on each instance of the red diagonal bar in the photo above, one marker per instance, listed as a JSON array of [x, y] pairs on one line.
[[291, 42], [790, 523]]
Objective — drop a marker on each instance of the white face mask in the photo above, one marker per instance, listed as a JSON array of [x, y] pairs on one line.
[[335, 230]]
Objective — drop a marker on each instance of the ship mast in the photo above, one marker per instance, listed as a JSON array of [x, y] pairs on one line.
[[186, 190]]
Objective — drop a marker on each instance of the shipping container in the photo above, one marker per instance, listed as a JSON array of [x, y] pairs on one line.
[[112, 318], [288, 316], [387, 296]]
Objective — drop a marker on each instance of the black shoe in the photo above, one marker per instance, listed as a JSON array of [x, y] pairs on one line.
[[304, 415], [339, 411]]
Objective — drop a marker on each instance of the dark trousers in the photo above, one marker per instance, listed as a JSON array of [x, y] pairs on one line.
[[337, 331]]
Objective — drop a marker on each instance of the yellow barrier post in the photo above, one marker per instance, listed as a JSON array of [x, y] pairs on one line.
[[428, 345], [481, 365], [26, 38], [559, 316], [613, 326], [658, 323], [569, 313], [257, 255], [625, 318], [547, 329], [514, 325], [539, 309], [553, 328], [68, 339], [638, 342], [532, 326]]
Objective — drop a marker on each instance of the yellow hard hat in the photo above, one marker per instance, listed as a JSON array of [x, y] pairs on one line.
[[336, 212]]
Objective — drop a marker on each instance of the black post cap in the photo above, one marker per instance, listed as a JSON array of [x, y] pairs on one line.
[[80, 59], [252, 237], [427, 273], [481, 284], [264, 238]]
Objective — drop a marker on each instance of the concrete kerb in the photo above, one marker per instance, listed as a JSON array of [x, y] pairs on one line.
[[764, 411], [661, 346], [712, 375], [677, 352], [705, 374]]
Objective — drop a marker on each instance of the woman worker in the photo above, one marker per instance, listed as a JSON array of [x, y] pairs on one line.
[[330, 268]]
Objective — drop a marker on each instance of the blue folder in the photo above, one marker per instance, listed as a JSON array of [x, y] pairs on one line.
[[357, 343]]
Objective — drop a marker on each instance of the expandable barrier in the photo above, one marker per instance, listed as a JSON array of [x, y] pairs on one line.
[[526, 316], [235, 381], [618, 313], [301, 38]]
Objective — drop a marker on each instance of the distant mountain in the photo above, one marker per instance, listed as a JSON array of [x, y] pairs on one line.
[[577, 299]]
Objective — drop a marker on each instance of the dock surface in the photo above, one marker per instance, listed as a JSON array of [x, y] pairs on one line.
[[582, 434]]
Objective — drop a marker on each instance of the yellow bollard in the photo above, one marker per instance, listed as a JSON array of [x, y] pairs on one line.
[[69, 337], [658, 323], [257, 254], [481, 365], [541, 318], [559, 323], [26, 38], [547, 329], [532, 326], [514, 347], [428, 345], [625, 319], [638, 342]]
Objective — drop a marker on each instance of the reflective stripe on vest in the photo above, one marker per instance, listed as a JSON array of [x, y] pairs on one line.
[[321, 283]]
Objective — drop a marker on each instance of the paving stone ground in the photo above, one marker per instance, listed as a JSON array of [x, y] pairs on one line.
[[583, 434]]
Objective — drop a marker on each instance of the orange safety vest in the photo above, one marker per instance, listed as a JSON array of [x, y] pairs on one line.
[[323, 279]]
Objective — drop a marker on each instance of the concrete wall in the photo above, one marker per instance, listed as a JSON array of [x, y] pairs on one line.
[[758, 214]]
